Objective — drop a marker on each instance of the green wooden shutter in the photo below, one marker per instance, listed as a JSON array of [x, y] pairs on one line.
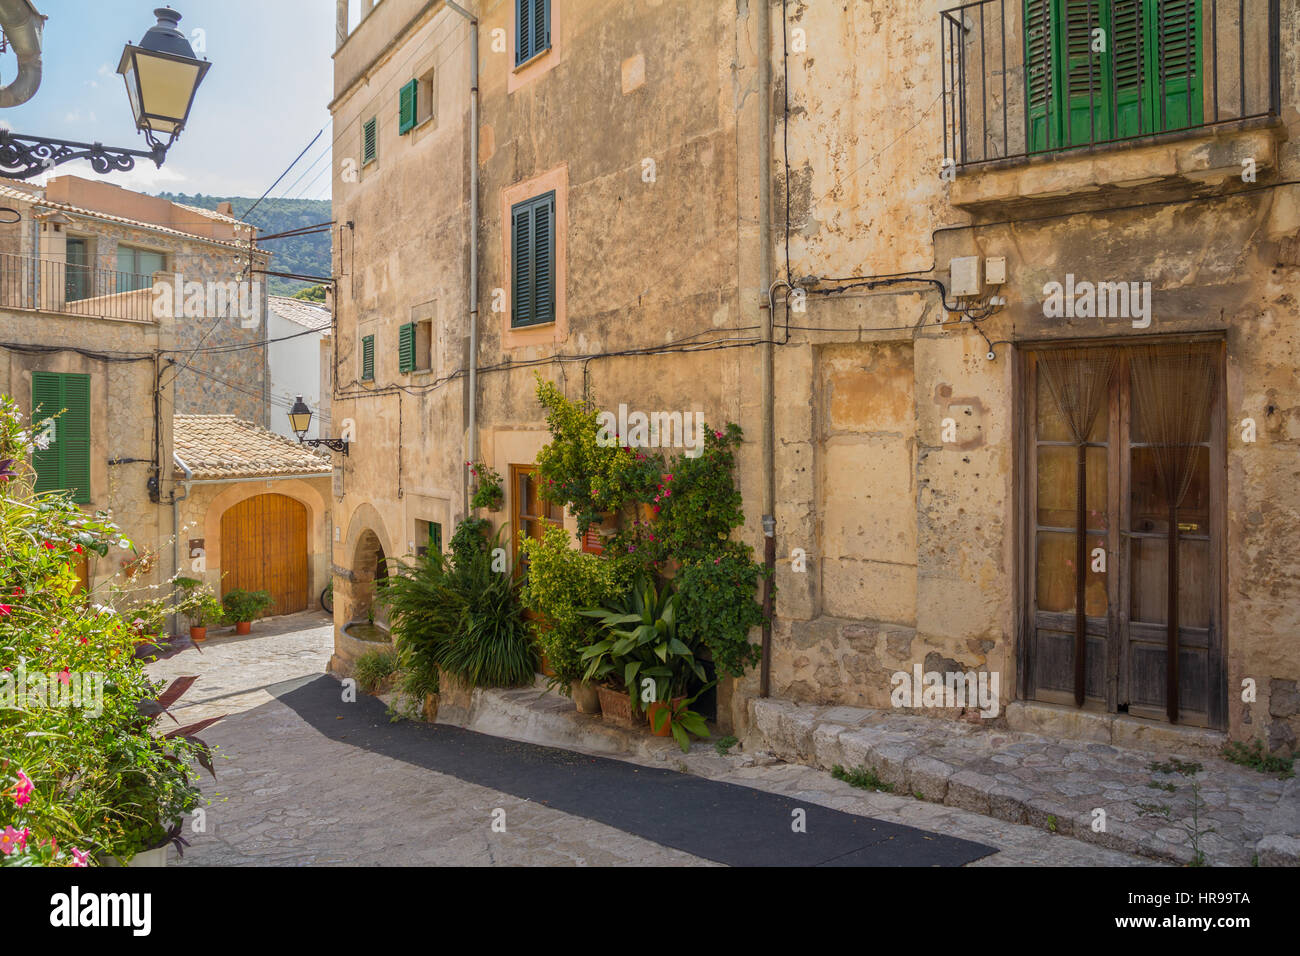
[[369, 141], [435, 537], [47, 401], [521, 294], [1086, 73], [406, 111], [544, 260], [1132, 112], [1041, 90], [406, 348], [1175, 59], [368, 358], [65, 465]]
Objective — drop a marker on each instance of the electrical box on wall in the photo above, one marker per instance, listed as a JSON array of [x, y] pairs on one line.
[[995, 270], [964, 275]]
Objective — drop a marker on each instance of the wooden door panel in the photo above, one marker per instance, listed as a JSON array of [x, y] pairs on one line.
[[264, 548]]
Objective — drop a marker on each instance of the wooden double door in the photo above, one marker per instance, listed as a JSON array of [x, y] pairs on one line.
[[264, 548], [1124, 666]]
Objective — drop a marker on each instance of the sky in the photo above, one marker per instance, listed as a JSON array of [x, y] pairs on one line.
[[262, 101]]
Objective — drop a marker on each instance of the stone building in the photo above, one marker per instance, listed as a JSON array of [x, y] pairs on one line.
[[985, 251], [82, 328]]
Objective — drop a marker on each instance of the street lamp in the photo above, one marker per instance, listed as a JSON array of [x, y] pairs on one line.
[[162, 75], [300, 421]]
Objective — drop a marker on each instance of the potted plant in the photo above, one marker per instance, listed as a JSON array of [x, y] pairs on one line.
[[488, 492], [203, 611], [242, 607]]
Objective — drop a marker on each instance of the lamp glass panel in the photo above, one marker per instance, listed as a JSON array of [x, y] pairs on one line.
[[166, 87]]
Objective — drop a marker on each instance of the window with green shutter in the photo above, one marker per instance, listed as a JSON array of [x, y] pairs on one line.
[[406, 348], [533, 29], [368, 359], [369, 141], [65, 464], [532, 226], [435, 537], [1101, 70], [407, 107]]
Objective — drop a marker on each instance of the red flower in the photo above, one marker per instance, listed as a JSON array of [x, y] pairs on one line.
[[47, 546], [19, 592], [77, 548], [5, 609]]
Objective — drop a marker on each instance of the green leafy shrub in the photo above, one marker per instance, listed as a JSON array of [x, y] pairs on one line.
[[241, 605], [562, 580], [82, 773], [488, 492], [374, 667], [1253, 755], [460, 616]]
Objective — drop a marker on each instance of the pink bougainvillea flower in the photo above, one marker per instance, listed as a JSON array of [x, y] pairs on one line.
[[717, 434], [12, 839], [80, 857], [5, 609], [23, 789], [65, 677], [656, 509]]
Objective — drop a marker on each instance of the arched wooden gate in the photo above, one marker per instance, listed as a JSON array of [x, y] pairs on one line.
[[264, 548]]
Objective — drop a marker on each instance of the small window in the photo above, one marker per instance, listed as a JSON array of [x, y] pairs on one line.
[[406, 109], [368, 359], [423, 359], [64, 465], [136, 267], [369, 141], [533, 261], [533, 29], [429, 537], [406, 348], [424, 99]]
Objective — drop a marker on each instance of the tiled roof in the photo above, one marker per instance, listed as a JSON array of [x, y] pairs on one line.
[[29, 195], [306, 314], [223, 446]]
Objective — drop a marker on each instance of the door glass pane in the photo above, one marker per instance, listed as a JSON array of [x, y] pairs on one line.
[[1055, 573], [1149, 510], [1052, 425], [1149, 602], [1058, 474]]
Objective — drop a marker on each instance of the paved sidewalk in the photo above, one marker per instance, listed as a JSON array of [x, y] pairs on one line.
[[289, 794]]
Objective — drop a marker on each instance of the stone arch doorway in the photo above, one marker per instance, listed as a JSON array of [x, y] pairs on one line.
[[369, 573]]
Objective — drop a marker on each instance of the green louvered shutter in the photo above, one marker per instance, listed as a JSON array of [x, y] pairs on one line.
[[544, 260], [1176, 63], [368, 359], [406, 111], [406, 348], [1087, 72], [47, 401], [521, 293], [1132, 114], [1041, 55], [435, 537], [65, 465], [369, 141]]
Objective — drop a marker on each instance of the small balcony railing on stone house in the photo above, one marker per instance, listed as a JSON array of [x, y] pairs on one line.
[[1023, 78], [51, 285]]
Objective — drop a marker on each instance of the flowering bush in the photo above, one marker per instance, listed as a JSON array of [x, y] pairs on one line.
[[81, 775], [488, 492]]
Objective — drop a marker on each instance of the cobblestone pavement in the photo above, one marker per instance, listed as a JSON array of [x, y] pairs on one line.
[[286, 794]]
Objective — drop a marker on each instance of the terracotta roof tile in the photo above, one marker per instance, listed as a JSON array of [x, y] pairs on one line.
[[223, 446], [306, 314]]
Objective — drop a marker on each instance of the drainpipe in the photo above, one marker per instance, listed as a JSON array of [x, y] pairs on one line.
[[23, 27], [471, 444], [176, 530], [764, 12]]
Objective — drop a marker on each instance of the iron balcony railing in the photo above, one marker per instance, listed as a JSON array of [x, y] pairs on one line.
[[51, 285], [1030, 77]]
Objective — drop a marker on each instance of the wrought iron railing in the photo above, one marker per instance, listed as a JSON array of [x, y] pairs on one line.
[[1028, 77], [51, 285]]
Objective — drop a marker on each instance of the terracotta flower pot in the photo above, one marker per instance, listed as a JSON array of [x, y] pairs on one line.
[[198, 633], [243, 627], [654, 708], [586, 697]]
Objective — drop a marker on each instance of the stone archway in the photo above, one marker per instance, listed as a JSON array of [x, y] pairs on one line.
[[369, 572]]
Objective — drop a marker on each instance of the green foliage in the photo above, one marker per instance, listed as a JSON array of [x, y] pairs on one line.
[[864, 778], [642, 643], [302, 255], [241, 605], [1190, 824], [719, 609], [469, 538], [205, 610], [682, 722], [82, 773], [560, 581], [1255, 757], [488, 492], [374, 667], [313, 293], [576, 471], [456, 614], [723, 745]]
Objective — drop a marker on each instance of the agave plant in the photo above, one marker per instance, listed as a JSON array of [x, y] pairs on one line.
[[642, 644]]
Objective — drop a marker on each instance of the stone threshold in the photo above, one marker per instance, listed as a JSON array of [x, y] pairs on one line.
[[1065, 786]]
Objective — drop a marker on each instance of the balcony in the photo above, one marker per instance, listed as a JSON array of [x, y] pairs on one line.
[[1037, 78], [50, 285]]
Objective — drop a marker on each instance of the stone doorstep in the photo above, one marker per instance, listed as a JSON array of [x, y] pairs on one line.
[[919, 757]]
